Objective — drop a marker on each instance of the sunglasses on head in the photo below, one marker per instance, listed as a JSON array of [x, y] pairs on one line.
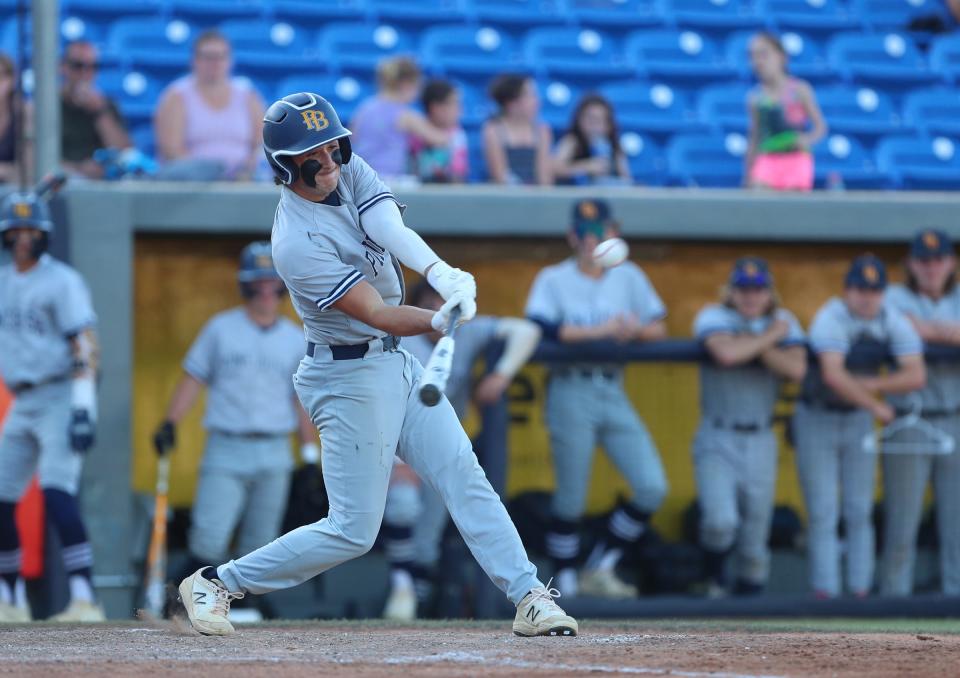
[[82, 65]]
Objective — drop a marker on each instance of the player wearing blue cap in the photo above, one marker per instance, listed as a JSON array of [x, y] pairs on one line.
[[839, 403], [931, 300], [755, 345]]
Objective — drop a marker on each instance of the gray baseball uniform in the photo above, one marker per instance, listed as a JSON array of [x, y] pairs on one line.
[[361, 391], [421, 508], [830, 451], [905, 476], [245, 471], [39, 311], [587, 403], [735, 449]]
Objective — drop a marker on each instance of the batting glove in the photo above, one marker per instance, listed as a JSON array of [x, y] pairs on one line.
[[441, 319], [165, 438], [448, 281], [81, 431]]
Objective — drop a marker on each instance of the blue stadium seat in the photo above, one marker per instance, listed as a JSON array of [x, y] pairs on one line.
[[262, 48], [515, 12], [477, 106], [345, 93], [207, 13], [921, 163], [135, 93], [889, 15], [574, 53], [647, 165], [933, 111], [316, 14], [811, 16], [724, 107], [157, 46], [945, 57], [419, 13], [860, 112], [557, 103], [890, 59], [712, 14], [807, 60], [677, 55], [616, 15], [142, 138], [707, 160], [478, 164], [654, 109], [467, 50], [71, 28], [109, 9], [358, 47], [844, 160]]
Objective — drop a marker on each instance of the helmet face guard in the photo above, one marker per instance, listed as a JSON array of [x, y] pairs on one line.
[[299, 123]]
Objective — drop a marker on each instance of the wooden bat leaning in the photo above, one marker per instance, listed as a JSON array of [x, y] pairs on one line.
[[437, 371], [157, 555]]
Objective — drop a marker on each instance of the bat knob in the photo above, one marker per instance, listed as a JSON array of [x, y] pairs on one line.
[[430, 395]]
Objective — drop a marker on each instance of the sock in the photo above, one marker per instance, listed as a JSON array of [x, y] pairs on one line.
[[211, 574], [566, 581], [401, 579], [75, 549], [80, 589], [422, 583], [9, 546], [20, 594], [400, 548], [714, 563], [6, 592], [625, 526], [563, 543]]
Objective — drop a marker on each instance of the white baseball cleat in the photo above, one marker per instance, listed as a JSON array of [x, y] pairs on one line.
[[80, 611], [605, 584], [539, 615], [401, 605], [207, 603], [12, 614]]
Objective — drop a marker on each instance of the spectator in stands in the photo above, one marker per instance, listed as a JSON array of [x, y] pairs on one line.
[[516, 144], [448, 162], [384, 125], [209, 124], [590, 153], [9, 115], [785, 122], [88, 119]]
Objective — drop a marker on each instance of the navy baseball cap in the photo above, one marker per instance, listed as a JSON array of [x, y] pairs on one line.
[[751, 272], [591, 216], [866, 272], [931, 243]]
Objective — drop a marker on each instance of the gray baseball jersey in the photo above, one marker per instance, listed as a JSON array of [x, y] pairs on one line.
[[39, 311], [322, 251], [472, 339], [562, 294], [247, 370], [745, 394]]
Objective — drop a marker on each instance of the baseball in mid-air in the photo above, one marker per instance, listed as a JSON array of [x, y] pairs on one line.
[[611, 252]]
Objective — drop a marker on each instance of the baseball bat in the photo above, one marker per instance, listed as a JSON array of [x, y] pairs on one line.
[[157, 555], [50, 184], [437, 371]]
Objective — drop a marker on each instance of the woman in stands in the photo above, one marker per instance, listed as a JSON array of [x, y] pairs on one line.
[[785, 122], [516, 144], [385, 125], [208, 124], [8, 116], [590, 153]]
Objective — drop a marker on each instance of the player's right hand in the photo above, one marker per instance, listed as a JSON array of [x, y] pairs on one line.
[[165, 438], [449, 281]]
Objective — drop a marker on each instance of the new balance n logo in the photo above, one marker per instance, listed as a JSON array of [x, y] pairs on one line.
[[532, 614], [199, 596]]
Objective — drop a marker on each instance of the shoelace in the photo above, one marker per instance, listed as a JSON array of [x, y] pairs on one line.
[[545, 595], [221, 604]]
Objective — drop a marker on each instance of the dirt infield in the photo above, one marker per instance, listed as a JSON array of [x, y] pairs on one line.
[[469, 649]]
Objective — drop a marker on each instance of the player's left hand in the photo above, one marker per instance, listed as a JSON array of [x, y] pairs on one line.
[[449, 281], [491, 388], [81, 430], [441, 319]]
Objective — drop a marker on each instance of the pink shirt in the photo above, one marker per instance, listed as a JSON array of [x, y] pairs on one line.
[[224, 134]]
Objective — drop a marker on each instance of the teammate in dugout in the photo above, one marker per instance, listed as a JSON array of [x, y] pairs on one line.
[[575, 301], [931, 300], [338, 240], [839, 403], [414, 519], [755, 345], [244, 357], [48, 359]]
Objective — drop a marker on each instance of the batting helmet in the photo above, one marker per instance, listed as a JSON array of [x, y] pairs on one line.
[[25, 210], [256, 263], [298, 123]]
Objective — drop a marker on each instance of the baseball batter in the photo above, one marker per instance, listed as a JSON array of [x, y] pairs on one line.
[[576, 301], [931, 300], [755, 345], [415, 518], [244, 358], [338, 239], [48, 359], [838, 406]]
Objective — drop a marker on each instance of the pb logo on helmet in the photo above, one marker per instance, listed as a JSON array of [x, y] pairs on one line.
[[315, 120], [22, 209]]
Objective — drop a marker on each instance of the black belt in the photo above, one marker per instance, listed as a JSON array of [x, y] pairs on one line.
[[24, 386], [354, 351], [250, 435], [587, 372], [931, 414], [741, 427], [817, 405]]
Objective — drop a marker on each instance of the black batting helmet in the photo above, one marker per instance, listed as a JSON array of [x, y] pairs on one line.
[[298, 123], [26, 210], [256, 263]]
